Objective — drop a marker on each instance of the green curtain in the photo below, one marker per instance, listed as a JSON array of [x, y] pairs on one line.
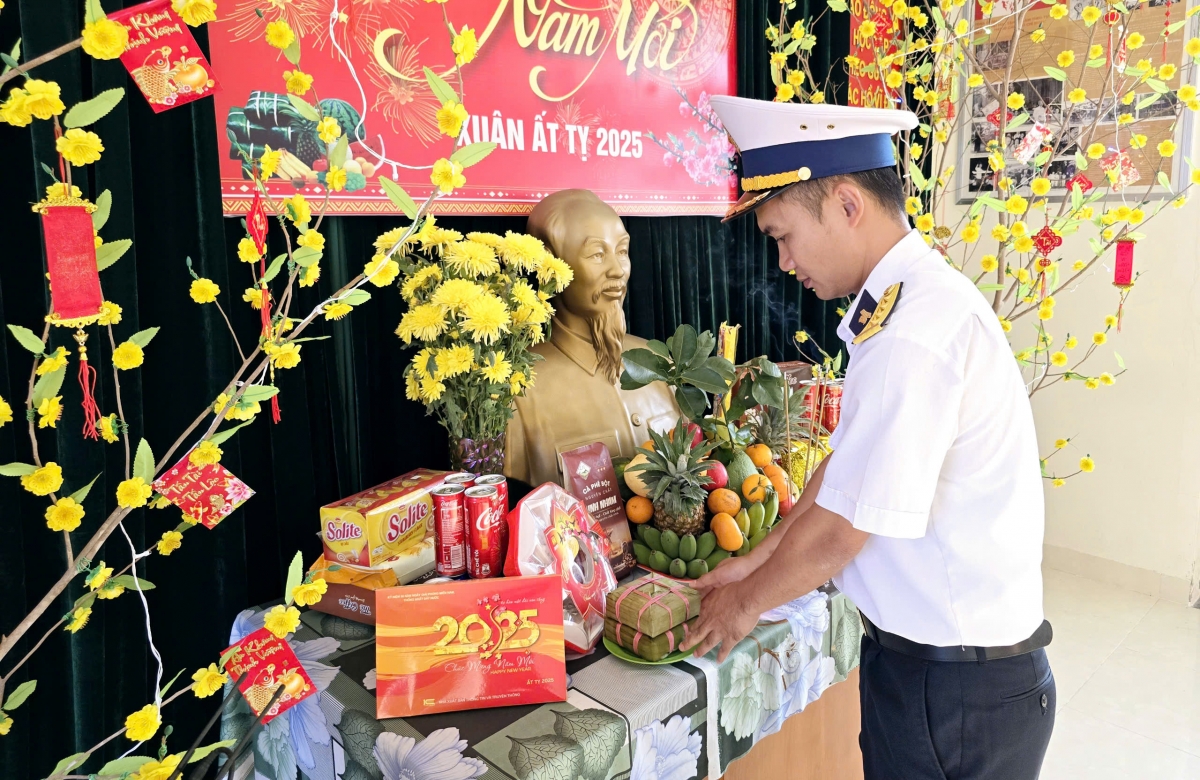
[[346, 423]]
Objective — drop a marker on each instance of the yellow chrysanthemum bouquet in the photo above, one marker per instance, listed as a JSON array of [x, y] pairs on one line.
[[476, 304]]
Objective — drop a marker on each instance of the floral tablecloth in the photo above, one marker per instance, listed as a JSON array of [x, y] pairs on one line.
[[620, 721]]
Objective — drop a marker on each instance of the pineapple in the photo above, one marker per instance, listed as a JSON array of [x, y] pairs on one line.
[[674, 472], [769, 425]]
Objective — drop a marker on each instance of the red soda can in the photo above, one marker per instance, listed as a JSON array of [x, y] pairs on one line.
[[501, 485], [450, 529], [464, 478], [831, 408], [809, 393], [485, 555]]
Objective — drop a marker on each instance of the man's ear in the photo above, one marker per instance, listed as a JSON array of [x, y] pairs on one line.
[[850, 202]]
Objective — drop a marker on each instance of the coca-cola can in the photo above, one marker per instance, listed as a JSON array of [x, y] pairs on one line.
[[450, 530], [831, 406], [485, 550], [809, 393], [501, 485], [464, 478]]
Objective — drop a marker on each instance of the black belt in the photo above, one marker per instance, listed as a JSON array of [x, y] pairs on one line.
[[899, 644]]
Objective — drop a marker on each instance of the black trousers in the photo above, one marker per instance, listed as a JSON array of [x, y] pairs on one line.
[[929, 720]]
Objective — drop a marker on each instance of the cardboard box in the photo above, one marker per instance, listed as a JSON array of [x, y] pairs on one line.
[[369, 528]]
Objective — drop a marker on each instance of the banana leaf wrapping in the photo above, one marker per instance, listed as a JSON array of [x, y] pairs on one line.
[[652, 605], [652, 648]]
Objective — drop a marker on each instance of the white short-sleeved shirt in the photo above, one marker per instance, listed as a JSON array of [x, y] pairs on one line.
[[935, 456]]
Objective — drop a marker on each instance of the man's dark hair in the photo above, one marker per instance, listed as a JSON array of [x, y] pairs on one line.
[[881, 184]]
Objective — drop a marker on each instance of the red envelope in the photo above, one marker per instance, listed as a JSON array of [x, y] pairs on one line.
[[269, 662], [206, 493], [162, 56]]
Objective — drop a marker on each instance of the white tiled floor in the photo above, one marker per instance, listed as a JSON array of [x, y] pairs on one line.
[[1127, 668]]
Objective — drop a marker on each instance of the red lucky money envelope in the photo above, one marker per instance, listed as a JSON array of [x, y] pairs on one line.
[[162, 56], [207, 494], [268, 662]]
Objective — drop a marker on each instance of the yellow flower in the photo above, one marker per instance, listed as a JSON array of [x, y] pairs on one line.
[[447, 175], [1167, 72], [1038, 35], [970, 233], [455, 294], [1099, 338], [43, 481], [974, 81], [485, 317], [1040, 186], [1005, 324], [1019, 228], [281, 620], [1091, 383], [195, 13], [310, 274], [1058, 11], [552, 269], [893, 79], [205, 454], [961, 27], [248, 250], [915, 151], [5, 724], [1060, 443], [1045, 313], [1016, 205], [988, 263], [1015, 100], [381, 271], [1136, 216], [1077, 95], [169, 543], [1059, 359], [1134, 41], [204, 291], [497, 368], [329, 130], [450, 118], [912, 205], [417, 280], [105, 39], [286, 355], [41, 98], [158, 770], [1179, 202], [796, 78], [59, 190], [133, 493], [925, 223], [1194, 104], [464, 46], [1137, 141], [784, 92], [1090, 15], [337, 310], [1071, 342], [778, 59], [1000, 233], [1066, 58], [1023, 275], [127, 355], [816, 97], [64, 515], [1107, 235], [312, 239], [297, 82], [920, 18], [79, 619], [1023, 244], [425, 323], [279, 34], [79, 147], [49, 410], [110, 313], [53, 362], [206, 682], [99, 576], [1107, 379], [141, 725], [253, 296], [1086, 464], [335, 179], [309, 593], [6, 415], [1195, 177], [430, 389], [1058, 482], [470, 258], [296, 208]]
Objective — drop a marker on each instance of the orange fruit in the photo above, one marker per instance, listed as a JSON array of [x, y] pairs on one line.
[[754, 488], [760, 455], [779, 479], [639, 509], [724, 500], [648, 444], [729, 536]]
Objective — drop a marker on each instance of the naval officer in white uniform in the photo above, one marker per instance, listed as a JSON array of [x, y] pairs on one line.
[[929, 513]]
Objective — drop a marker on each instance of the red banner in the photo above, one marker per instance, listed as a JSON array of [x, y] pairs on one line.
[[608, 95], [867, 44]]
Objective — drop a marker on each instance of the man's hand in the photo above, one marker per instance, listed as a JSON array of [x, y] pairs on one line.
[[730, 570], [724, 620]]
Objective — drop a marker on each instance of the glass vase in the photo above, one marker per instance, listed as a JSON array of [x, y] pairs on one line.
[[478, 456]]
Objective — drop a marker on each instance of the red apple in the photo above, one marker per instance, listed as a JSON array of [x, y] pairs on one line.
[[697, 434], [717, 475]]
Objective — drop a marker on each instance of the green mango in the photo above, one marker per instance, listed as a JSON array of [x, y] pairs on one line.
[[745, 547], [758, 514], [706, 544], [669, 543], [758, 537], [652, 538], [772, 509], [742, 519], [739, 468], [688, 547], [642, 553], [716, 557], [697, 569], [677, 568], [658, 561]]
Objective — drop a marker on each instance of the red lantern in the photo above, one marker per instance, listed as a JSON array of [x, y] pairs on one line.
[[1123, 268]]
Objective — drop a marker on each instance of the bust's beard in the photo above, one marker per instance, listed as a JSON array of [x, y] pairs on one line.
[[608, 329]]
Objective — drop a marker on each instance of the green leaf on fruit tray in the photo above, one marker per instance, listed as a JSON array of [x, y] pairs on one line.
[[441, 90], [682, 345], [337, 155], [292, 52], [356, 297], [143, 462], [66, 765], [275, 267], [48, 386], [692, 401], [79, 495], [706, 379], [123, 766], [220, 437], [468, 155], [143, 337], [305, 109], [103, 209], [26, 338], [259, 393], [17, 469], [201, 752], [398, 196], [91, 111], [643, 367], [1055, 73], [111, 251], [768, 391], [306, 256], [18, 696], [295, 576]]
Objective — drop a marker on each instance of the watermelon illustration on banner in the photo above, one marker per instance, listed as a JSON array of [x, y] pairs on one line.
[[162, 56], [207, 492]]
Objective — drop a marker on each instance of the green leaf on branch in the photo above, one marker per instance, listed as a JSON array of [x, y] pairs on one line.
[[337, 155], [1081, 162], [658, 348], [18, 697], [1158, 86], [103, 209], [1098, 62], [837, 361], [356, 297], [143, 337], [48, 386], [1017, 121], [918, 178], [305, 256], [259, 393], [295, 576], [1174, 27], [91, 111], [274, 268], [111, 251], [220, 437], [1055, 73], [938, 19], [66, 765], [92, 12], [79, 495], [692, 401], [989, 287], [26, 338], [1041, 159], [201, 752], [1149, 100], [468, 155], [13, 59], [1095, 245], [1120, 360], [17, 469], [1165, 182], [643, 367], [992, 203], [85, 601], [123, 766], [682, 345], [706, 379], [167, 687], [305, 109], [292, 52], [132, 583], [143, 462], [441, 90], [837, 6], [398, 196]]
